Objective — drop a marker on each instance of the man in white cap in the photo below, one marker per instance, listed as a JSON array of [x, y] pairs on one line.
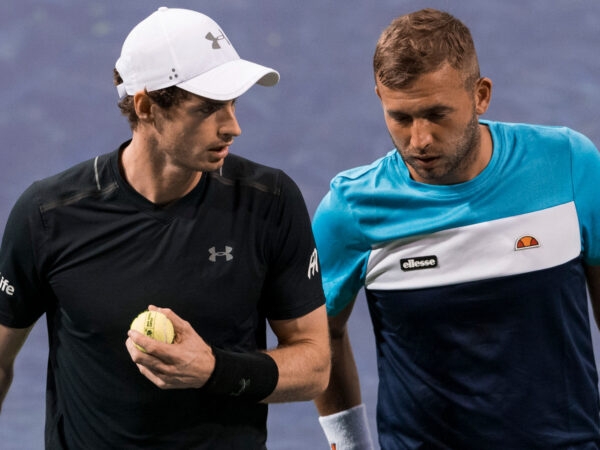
[[218, 243]]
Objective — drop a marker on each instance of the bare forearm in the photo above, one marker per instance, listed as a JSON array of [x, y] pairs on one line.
[[343, 391], [303, 357], [6, 377], [11, 341], [303, 372], [343, 417]]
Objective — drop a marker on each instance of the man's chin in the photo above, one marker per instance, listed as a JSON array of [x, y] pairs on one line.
[[211, 166]]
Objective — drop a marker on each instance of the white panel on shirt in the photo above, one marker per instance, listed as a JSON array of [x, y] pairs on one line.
[[477, 252]]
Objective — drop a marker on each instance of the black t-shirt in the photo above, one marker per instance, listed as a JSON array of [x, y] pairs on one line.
[[90, 252]]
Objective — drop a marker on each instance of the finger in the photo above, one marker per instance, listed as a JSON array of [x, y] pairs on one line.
[[145, 345], [181, 326], [152, 376], [166, 311], [135, 345], [131, 348], [140, 357], [150, 366]]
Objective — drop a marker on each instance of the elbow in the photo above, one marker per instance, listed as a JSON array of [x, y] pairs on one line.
[[317, 387], [321, 375], [316, 375], [322, 383]]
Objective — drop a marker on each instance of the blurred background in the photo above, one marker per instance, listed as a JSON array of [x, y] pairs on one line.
[[58, 107]]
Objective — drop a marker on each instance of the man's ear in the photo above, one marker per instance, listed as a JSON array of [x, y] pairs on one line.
[[143, 105], [483, 95], [377, 91]]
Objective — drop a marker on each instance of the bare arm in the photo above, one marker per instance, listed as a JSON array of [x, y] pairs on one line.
[[343, 391], [593, 280], [302, 357], [11, 341]]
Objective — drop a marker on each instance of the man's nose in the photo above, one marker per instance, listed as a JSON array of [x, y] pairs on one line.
[[420, 134], [228, 124]]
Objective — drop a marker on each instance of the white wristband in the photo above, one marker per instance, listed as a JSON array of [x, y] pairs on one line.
[[348, 430]]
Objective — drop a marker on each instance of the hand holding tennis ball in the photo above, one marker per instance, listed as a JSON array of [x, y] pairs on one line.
[[154, 324], [181, 360]]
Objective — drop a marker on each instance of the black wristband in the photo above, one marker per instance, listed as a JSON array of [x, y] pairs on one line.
[[249, 376]]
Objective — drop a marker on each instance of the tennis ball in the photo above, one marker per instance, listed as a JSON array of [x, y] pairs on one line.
[[155, 325]]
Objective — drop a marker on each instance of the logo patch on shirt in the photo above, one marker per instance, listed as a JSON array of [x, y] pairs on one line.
[[313, 264], [5, 286], [214, 254], [418, 263], [525, 242]]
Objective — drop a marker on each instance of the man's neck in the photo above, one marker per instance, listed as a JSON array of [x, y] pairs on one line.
[[152, 177]]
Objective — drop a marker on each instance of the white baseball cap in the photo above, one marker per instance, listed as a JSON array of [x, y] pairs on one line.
[[187, 49]]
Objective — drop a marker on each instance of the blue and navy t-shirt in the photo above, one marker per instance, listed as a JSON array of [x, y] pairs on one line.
[[476, 292]]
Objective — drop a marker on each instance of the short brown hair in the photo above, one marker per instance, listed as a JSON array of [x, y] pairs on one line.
[[165, 98], [422, 42]]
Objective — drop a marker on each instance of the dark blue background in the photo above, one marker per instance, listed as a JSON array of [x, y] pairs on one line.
[[58, 107]]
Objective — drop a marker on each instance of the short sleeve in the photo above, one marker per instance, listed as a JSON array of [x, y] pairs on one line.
[[21, 298], [293, 285], [586, 173], [342, 252]]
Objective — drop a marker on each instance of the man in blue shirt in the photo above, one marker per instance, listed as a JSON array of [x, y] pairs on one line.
[[474, 241]]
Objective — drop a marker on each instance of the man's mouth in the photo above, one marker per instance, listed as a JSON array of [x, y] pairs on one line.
[[221, 148], [425, 161]]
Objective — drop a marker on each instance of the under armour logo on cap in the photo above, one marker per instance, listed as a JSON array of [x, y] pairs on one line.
[[215, 40]]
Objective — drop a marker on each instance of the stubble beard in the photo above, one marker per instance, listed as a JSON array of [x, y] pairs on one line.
[[452, 165]]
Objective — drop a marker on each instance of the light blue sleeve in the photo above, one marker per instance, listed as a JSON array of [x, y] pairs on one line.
[[586, 188], [343, 253]]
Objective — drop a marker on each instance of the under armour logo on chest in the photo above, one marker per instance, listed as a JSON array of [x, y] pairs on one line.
[[214, 254]]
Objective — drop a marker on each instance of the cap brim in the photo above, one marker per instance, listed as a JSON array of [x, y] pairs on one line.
[[230, 80]]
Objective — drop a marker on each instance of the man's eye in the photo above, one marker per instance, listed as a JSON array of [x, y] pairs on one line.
[[402, 120], [435, 117], [210, 108]]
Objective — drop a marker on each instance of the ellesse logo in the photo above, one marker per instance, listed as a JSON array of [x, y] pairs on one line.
[[418, 263], [525, 242]]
